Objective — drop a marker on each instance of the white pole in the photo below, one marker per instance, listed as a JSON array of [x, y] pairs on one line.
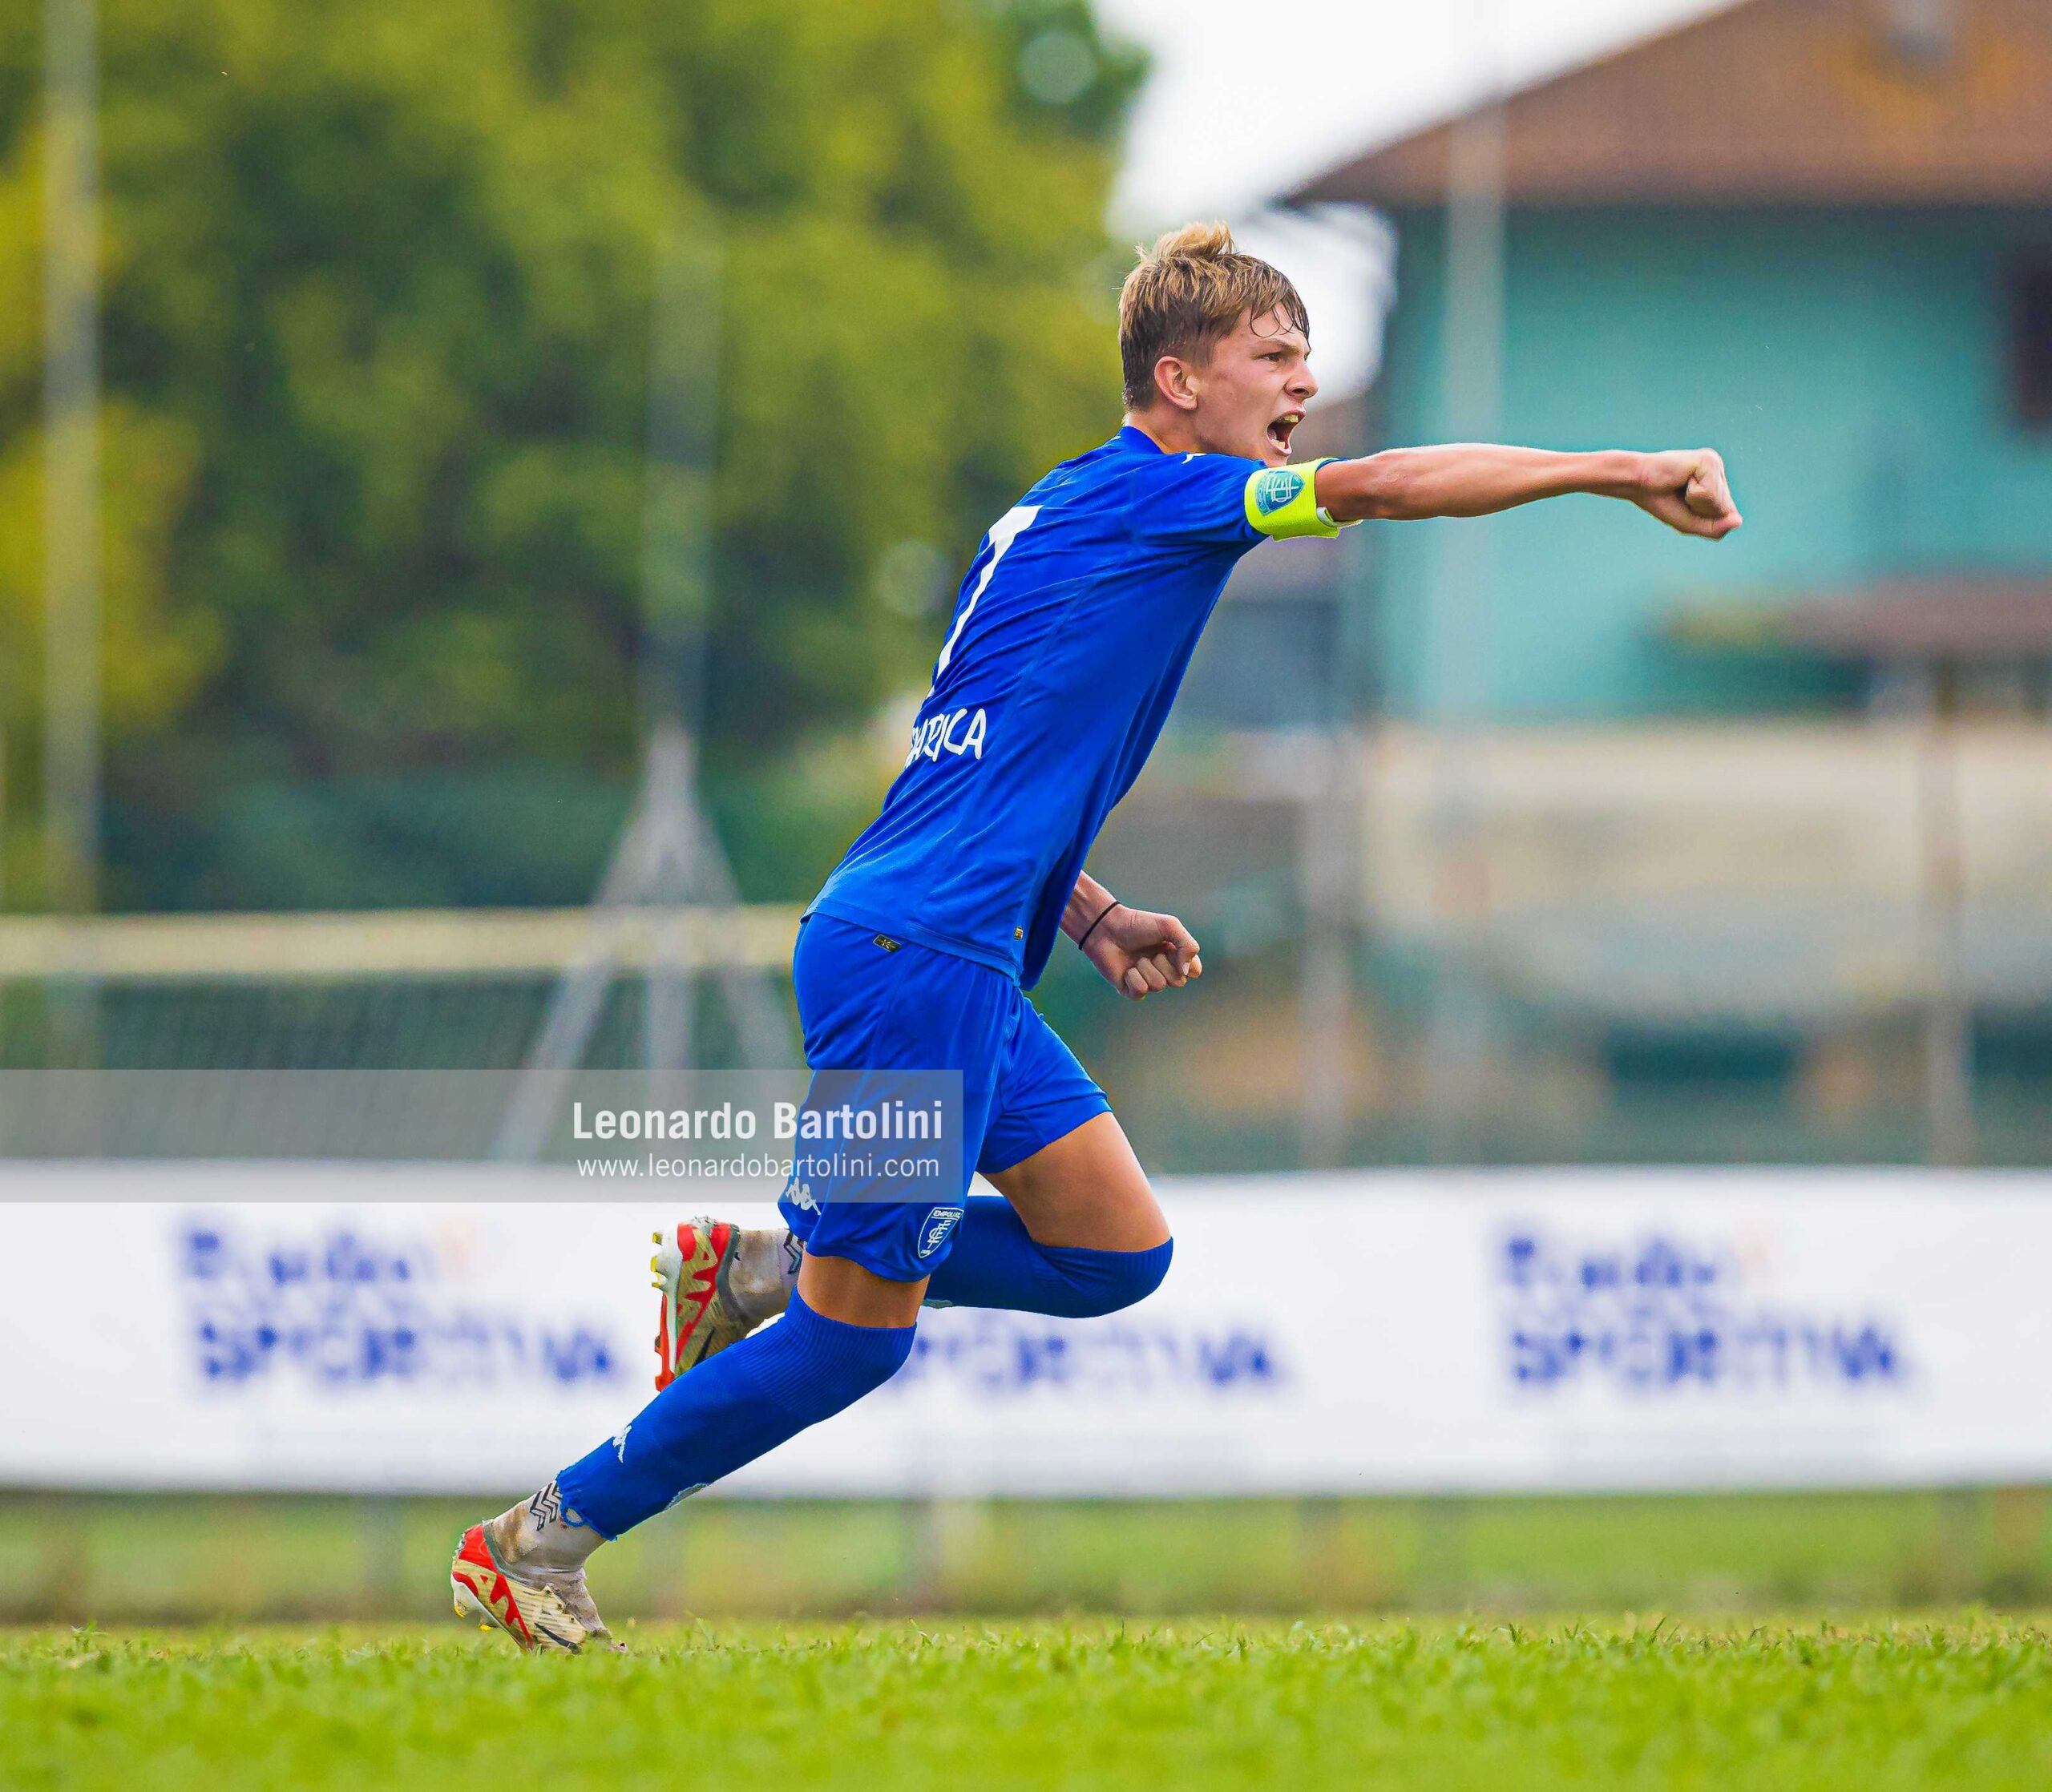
[[71, 513], [71, 569], [1948, 1030], [1461, 671], [677, 585]]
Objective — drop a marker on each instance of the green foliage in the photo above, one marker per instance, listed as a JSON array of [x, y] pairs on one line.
[[377, 313], [1641, 1704]]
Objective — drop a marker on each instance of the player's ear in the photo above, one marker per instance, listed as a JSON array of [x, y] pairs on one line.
[[1174, 380]]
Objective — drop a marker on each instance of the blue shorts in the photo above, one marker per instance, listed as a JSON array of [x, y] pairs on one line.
[[868, 1002]]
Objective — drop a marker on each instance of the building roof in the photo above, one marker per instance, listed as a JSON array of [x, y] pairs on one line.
[[1772, 101]]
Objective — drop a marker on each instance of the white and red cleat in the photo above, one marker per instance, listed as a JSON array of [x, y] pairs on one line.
[[542, 1609], [717, 1283]]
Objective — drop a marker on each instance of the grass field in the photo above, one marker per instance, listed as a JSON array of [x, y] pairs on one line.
[[1186, 1704], [156, 1559]]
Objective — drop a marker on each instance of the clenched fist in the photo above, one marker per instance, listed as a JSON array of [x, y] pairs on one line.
[[1685, 488], [1138, 953]]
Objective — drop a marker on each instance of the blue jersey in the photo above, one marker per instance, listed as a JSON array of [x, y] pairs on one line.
[[1067, 645]]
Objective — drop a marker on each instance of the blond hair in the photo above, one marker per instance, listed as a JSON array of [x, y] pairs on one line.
[[1191, 288]]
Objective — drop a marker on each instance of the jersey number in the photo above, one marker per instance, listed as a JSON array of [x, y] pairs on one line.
[[1007, 530]]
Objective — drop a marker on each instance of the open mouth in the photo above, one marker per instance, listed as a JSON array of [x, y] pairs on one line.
[[1279, 431]]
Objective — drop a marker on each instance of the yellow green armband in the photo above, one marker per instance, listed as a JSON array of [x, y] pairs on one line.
[[1282, 501]]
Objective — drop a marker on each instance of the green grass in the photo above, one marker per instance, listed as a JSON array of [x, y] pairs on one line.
[[1966, 1702], [206, 1558]]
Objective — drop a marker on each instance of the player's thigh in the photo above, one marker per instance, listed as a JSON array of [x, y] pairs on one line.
[[1085, 1189], [874, 1006], [1054, 1151]]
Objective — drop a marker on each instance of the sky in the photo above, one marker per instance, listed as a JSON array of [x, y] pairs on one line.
[[1245, 100]]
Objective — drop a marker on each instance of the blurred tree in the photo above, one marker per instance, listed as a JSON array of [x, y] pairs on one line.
[[378, 291]]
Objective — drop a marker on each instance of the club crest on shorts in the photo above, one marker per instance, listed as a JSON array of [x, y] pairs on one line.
[[940, 1222]]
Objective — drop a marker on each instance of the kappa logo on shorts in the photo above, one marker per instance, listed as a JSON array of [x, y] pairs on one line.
[[940, 1222]]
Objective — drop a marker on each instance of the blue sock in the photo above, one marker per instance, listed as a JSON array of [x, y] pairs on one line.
[[729, 1410], [993, 1261]]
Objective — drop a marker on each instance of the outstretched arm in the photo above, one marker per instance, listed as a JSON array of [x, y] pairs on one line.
[[1685, 488]]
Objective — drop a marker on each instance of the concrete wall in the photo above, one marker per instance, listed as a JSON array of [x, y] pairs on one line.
[[1728, 875]]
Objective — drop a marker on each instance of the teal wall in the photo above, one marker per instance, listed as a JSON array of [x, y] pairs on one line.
[[1851, 367]]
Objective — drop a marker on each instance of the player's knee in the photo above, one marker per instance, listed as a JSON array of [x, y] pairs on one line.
[[844, 1361], [878, 1353], [1105, 1281]]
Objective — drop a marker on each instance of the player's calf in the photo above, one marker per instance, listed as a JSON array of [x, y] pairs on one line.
[[726, 1413], [524, 1571]]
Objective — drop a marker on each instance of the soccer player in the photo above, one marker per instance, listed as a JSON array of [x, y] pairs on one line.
[[1067, 643]]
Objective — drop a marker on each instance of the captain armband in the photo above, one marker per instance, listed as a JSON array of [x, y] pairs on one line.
[[1282, 501]]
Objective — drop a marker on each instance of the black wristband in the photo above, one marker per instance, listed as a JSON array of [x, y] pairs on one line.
[[1092, 928]]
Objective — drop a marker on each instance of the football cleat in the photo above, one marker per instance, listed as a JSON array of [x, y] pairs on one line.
[[701, 1314], [551, 1613]]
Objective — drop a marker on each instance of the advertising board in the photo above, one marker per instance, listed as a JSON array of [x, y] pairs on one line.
[[416, 1328]]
